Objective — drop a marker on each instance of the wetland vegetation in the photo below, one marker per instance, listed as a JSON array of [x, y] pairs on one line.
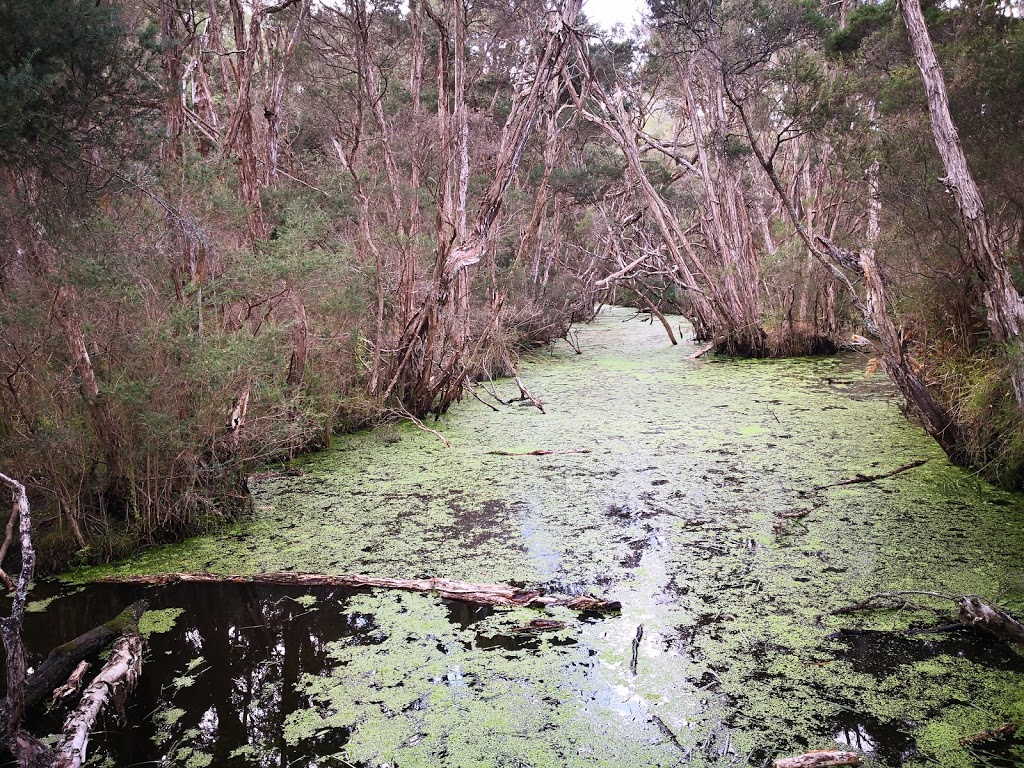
[[463, 384]]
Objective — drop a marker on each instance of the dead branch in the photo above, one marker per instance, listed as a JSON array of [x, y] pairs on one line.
[[540, 625], [472, 390], [819, 759], [114, 682], [448, 589], [72, 686], [703, 350], [972, 611], [524, 395], [420, 425], [538, 452], [634, 659], [861, 478], [1007, 729]]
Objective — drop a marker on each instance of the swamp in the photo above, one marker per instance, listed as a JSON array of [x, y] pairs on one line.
[[672, 511], [512, 383]]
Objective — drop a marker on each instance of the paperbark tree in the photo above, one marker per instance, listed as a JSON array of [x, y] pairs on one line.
[[1003, 302]]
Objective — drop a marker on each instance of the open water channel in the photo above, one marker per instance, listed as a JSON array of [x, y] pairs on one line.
[[672, 511]]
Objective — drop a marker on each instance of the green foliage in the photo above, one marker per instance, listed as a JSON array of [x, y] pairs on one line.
[[65, 76], [863, 21]]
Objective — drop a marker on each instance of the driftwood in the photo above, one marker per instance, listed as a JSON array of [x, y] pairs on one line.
[[1003, 731], [540, 625], [703, 350], [114, 682], [783, 519], [976, 612], [972, 611], [62, 660], [72, 686], [538, 452], [861, 478], [448, 589], [819, 759]]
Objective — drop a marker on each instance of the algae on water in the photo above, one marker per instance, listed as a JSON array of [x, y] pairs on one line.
[[671, 512]]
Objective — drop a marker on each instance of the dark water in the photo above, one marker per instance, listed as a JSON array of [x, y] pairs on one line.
[[232, 662]]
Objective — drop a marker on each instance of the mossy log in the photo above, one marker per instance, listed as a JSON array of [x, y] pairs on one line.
[[819, 759], [448, 589], [61, 662]]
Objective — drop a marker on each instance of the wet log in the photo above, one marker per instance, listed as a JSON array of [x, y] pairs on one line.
[[540, 625], [819, 759], [538, 452], [72, 686], [975, 612], [113, 684], [62, 660], [972, 611], [1002, 732], [448, 589]]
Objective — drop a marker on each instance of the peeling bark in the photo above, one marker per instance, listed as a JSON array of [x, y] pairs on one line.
[[113, 684]]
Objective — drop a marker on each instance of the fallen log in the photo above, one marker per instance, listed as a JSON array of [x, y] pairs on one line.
[[821, 758], [862, 478], [1007, 729], [114, 682], [540, 625], [537, 452], [704, 350], [72, 686], [972, 611], [62, 660], [448, 589], [975, 612]]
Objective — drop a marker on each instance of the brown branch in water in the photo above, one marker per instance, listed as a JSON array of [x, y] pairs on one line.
[[540, 625], [1007, 729], [636, 648], [472, 391], [448, 589], [538, 452], [861, 478], [71, 687], [703, 350], [524, 395]]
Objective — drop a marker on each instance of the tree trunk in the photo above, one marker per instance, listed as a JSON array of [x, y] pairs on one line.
[[1003, 302]]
